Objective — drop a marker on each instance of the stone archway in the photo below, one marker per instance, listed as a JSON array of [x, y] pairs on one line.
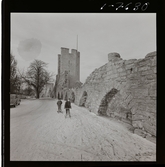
[[83, 99], [112, 105], [72, 97], [105, 101], [66, 96], [58, 96]]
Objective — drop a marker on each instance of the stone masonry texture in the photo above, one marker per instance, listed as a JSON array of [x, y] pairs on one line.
[[120, 89]]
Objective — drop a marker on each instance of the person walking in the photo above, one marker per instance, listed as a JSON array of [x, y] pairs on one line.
[[59, 103], [67, 107]]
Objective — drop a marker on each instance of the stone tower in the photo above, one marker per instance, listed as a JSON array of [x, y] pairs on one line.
[[68, 72], [69, 63]]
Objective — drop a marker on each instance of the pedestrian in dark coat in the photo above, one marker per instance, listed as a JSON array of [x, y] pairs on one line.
[[67, 107], [59, 103]]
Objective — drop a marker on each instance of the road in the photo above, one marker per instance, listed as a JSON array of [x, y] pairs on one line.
[[39, 133]]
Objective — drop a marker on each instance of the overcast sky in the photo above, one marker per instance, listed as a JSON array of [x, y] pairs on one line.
[[41, 36]]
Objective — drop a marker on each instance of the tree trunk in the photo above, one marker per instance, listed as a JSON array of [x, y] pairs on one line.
[[37, 94]]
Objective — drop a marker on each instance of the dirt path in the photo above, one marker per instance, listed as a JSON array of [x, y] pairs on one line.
[[38, 132]]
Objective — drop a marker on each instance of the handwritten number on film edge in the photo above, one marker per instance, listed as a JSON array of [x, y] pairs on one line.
[[136, 7], [126, 7], [120, 6], [145, 6]]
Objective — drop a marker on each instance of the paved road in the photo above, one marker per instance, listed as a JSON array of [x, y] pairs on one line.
[[38, 132]]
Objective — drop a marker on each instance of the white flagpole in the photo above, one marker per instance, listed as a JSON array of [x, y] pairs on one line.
[[77, 43]]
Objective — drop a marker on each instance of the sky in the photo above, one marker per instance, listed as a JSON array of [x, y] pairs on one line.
[[41, 36]]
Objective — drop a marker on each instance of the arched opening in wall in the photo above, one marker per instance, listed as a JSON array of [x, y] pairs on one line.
[[58, 96], [113, 105], [83, 99], [66, 96], [61, 95], [105, 101], [50, 93], [72, 97]]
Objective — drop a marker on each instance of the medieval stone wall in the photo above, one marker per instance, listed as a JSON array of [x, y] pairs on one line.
[[124, 89], [120, 89]]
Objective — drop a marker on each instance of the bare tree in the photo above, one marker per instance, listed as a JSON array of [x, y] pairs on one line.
[[14, 77], [37, 76], [28, 91]]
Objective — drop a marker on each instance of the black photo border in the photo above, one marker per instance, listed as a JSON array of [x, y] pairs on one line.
[[79, 6]]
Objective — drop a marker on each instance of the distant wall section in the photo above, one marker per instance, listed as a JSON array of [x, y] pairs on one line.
[[123, 89]]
